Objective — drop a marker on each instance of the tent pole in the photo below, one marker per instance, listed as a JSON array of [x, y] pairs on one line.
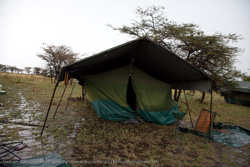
[[70, 96], [83, 92], [49, 109], [211, 107], [188, 109], [60, 101]]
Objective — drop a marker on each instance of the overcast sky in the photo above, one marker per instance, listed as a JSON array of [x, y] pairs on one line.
[[81, 24]]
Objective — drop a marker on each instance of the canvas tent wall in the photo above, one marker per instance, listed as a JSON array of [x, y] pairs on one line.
[[113, 98], [141, 69]]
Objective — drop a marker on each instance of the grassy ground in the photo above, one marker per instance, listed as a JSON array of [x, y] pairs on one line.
[[81, 137]]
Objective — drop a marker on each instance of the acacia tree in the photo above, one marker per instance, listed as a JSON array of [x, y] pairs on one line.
[[44, 72], [27, 69], [3, 68], [56, 57], [210, 53], [14, 69], [37, 70]]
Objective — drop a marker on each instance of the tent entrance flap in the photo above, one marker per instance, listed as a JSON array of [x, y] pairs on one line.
[[131, 97], [152, 95]]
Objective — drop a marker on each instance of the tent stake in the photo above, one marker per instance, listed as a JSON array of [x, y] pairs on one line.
[[60, 101], [70, 96], [188, 109], [49, 108]]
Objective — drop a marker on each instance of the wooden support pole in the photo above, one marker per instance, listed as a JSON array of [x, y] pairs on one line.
[[188, 109], [84, 92], [49, 108], [60, 100], [211, 108]]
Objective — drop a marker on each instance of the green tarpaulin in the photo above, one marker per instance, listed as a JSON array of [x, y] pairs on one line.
[[230, 135], [237, 137], [48, 160]]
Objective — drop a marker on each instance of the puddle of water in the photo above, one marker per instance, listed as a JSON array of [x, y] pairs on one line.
[[28, 111], [77, 125], [185, 124]]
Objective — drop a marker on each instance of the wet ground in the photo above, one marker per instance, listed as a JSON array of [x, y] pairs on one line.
[[23, 121], [19, 124]]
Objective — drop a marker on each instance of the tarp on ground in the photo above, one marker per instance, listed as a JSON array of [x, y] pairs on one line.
[[230, 135], [51, 160], [236, 136]]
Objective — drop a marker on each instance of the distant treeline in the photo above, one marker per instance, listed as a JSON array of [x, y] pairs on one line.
[[25, 70]]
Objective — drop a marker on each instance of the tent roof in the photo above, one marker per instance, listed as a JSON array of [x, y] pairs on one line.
[[241, 86], [152, 58]]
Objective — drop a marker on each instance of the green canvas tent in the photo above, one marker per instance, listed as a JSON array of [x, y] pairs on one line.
[[135, 78]]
